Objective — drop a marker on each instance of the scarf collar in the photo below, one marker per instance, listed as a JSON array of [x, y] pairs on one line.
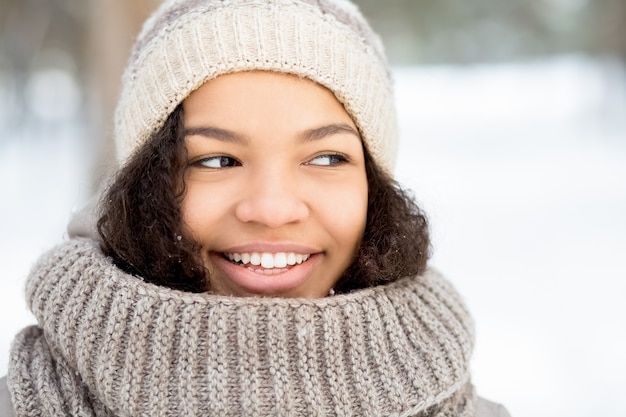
[[109, 344]]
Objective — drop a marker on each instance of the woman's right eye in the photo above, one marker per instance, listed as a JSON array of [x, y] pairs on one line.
[[217, 162]]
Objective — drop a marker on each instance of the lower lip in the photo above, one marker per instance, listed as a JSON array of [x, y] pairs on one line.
[[255, 283]]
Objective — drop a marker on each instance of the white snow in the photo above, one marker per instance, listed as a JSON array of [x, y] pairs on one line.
[[522, 170]]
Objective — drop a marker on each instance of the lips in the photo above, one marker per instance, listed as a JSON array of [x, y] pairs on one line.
[[270, 270]]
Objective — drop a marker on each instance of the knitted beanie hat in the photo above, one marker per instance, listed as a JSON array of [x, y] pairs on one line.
[[188, 42]]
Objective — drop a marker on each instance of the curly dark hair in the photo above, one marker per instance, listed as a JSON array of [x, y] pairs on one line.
[[141, 223]]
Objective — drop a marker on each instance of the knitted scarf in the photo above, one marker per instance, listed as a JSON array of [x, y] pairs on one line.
[[109, 344]]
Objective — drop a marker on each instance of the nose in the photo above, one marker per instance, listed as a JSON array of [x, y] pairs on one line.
[[273, 199]]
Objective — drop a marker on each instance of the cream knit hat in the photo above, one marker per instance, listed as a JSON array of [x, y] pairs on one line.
[[188, 42]]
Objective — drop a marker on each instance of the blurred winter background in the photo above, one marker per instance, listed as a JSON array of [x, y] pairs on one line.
[[513, 124]]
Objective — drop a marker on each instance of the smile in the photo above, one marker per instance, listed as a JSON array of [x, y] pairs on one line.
[[267, 260]]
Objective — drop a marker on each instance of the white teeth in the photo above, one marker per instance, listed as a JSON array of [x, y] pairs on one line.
[[255, 259], [268, 260], [280, 260]]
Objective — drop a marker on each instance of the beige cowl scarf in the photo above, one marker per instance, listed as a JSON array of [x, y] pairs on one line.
[[109, 344]]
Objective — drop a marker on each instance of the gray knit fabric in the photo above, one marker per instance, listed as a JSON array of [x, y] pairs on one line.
[[188, 42], [109, 344]]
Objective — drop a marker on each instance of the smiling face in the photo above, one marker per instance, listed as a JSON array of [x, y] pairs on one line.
[[276, 190]]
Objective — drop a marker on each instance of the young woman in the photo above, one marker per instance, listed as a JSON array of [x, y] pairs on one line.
[[252, 255]]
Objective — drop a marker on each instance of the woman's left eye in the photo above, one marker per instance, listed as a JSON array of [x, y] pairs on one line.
[[216, 162], [328, 160]]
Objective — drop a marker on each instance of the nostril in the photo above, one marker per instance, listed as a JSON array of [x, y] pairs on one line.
[[272, 211]]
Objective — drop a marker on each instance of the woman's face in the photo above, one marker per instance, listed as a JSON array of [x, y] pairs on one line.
[[276, 191]]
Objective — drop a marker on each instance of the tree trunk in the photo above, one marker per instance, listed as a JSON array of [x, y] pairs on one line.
[[112, 29]]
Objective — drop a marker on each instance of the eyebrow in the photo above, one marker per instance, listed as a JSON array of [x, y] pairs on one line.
[[328, 130], [216, 133], [309, 135]]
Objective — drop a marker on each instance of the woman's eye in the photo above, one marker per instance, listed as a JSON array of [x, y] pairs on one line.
[[328, 160], [216, 162]]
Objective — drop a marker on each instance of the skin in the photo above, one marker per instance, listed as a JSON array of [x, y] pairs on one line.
[[276, 165]]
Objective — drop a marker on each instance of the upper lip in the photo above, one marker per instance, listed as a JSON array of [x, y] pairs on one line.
[[270, 247]]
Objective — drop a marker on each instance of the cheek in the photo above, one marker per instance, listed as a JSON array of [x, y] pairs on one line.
[[198, 213], [346, 214]]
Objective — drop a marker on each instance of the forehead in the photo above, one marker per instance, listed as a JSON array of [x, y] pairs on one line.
[[263, 97]]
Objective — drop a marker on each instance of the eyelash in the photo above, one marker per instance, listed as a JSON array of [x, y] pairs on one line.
[[224, 161], [338, 157], [335, 159]]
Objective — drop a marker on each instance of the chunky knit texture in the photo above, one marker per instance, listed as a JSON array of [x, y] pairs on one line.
[[186, 43], [109, 344]]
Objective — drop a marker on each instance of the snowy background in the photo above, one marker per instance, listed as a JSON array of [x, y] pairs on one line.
[[522, 169]]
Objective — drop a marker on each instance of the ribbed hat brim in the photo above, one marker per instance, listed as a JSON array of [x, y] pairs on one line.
[[178, 52]]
